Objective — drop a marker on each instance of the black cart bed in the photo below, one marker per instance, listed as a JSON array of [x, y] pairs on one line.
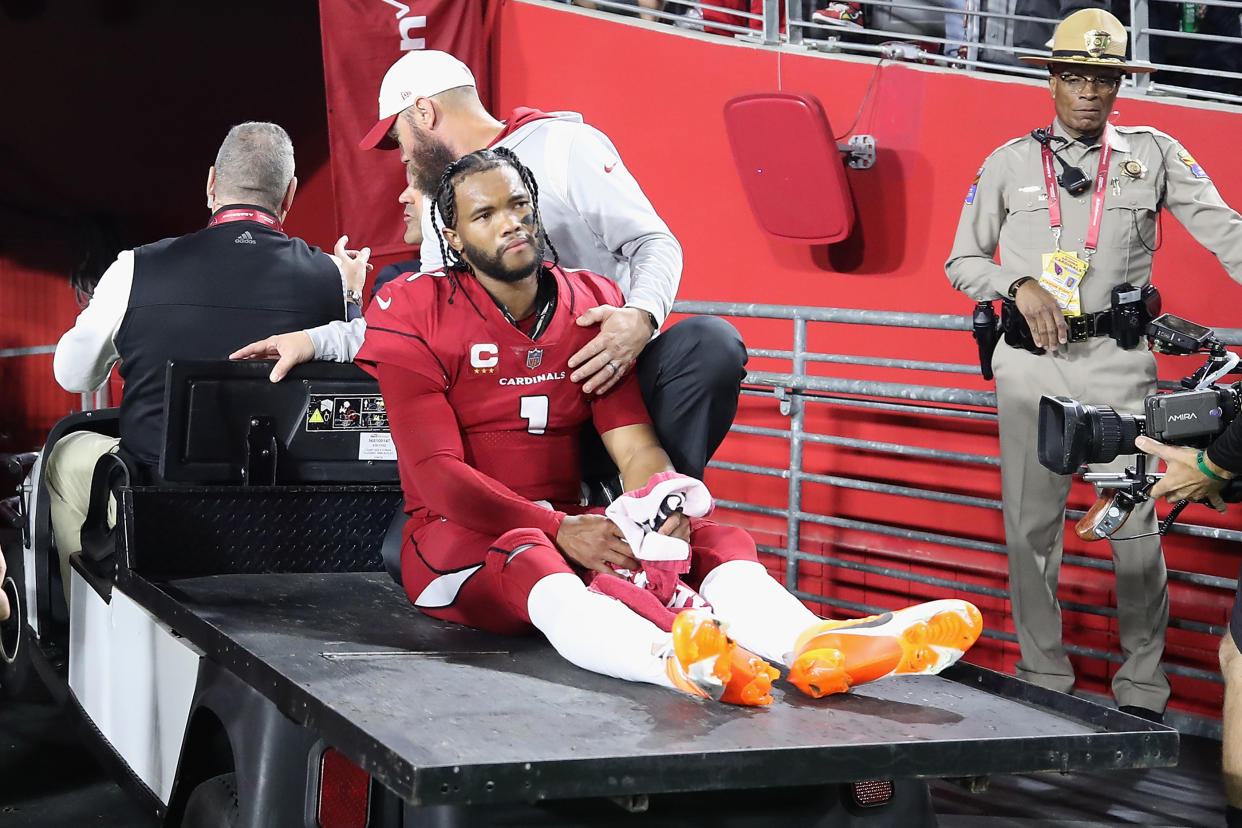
[[441, 714]]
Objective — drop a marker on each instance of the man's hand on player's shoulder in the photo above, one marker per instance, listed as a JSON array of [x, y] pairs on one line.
[[602, 362], [595, 542]]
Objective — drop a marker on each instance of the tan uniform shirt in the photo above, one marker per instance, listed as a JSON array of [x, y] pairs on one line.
[[1008, 206]]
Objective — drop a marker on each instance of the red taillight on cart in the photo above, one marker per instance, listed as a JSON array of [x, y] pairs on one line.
[[344, 792], [873, 792]]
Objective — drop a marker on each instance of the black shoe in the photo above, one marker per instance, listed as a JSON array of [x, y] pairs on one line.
[[1142, 713]]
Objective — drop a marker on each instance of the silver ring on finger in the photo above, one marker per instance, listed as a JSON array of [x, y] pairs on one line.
[[613, 366]]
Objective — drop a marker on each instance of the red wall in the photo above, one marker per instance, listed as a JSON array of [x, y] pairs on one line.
[[659, 94]]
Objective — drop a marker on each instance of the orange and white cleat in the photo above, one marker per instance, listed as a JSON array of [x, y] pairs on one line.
[[705, 662], [833, 656], [751, 682]]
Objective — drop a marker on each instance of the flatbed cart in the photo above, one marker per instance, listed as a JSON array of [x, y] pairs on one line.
[[242, 659]]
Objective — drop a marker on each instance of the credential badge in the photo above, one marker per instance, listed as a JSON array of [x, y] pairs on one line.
[[534, 358], [1097, 42]]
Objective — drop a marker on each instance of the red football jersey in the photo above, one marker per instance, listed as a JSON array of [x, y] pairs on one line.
[[518, 413]]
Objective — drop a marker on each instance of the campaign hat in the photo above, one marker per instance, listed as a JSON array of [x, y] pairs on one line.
[[1090, 37]]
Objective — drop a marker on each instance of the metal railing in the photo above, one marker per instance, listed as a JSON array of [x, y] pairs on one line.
[[89, 400], [9, 353], [794, 390], [1196, 48]]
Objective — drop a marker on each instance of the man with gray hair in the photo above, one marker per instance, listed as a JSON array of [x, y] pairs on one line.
[[255, 163], [197, 296]]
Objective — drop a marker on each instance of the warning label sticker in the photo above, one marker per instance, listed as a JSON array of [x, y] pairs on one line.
[[372, 446], [347, 414]]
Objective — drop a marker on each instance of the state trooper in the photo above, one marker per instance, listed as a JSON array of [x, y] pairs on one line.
[[1073, 208]]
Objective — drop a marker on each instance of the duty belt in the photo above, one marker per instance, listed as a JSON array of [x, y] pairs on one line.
[[1017, 333], [1124, 322]]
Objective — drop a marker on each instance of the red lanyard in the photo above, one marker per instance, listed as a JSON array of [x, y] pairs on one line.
[[1097, 200], [242, 214]]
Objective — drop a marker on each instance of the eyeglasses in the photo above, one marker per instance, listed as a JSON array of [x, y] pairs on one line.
[[1076, 83]]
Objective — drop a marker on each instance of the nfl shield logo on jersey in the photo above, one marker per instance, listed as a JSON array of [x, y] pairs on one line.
[[534, 358]]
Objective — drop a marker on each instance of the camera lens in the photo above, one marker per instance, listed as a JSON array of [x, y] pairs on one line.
[[1062, 434], [1113, 434], [1071, 434]]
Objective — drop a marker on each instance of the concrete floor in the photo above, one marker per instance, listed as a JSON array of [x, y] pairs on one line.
[[49, 780], [1186, 795]]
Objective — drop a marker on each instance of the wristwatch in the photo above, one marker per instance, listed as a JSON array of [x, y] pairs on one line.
[[655, 326], [353, 296], [1013, 289]]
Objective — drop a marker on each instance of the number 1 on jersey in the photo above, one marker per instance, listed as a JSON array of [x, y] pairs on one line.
[[534, 411]]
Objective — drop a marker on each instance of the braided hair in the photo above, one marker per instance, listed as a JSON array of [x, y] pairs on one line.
[[444, 204]]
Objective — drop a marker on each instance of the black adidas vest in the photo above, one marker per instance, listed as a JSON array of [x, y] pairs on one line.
[[203, 296]]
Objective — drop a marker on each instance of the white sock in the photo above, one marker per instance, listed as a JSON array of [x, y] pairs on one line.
[[596, 632], [758, 612]]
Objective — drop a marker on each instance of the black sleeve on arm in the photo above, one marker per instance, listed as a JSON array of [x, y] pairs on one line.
[[1226, 450]]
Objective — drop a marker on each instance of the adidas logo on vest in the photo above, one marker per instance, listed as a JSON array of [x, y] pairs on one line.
[[245, 238]]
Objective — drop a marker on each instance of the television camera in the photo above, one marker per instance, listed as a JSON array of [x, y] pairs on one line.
[[1072, 433]]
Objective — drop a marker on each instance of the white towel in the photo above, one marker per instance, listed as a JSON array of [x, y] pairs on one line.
[[637, 514]]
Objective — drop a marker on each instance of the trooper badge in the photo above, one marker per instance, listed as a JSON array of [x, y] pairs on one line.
[[1097, 41], [1133, 169]]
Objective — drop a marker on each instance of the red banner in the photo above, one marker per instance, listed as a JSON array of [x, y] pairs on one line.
[[361, 39]]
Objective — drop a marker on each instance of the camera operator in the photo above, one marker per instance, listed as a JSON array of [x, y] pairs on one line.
[[1073, 209], [1196, 475]]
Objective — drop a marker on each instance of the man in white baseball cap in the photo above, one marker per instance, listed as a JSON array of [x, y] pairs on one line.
[[418, 74]]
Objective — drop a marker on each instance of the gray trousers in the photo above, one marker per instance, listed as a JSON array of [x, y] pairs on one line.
[[1099, 373]]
